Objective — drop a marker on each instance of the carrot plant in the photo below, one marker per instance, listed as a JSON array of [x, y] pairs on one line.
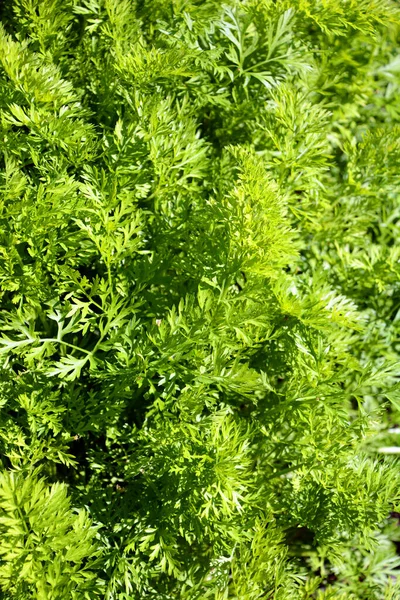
[[200, 299]]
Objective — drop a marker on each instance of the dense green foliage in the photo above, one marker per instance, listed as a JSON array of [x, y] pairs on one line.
[[200, 299]]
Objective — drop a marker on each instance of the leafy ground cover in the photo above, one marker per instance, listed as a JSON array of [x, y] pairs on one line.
[[200, 299]]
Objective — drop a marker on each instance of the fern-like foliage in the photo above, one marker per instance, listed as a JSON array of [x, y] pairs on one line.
[[200, 299]]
